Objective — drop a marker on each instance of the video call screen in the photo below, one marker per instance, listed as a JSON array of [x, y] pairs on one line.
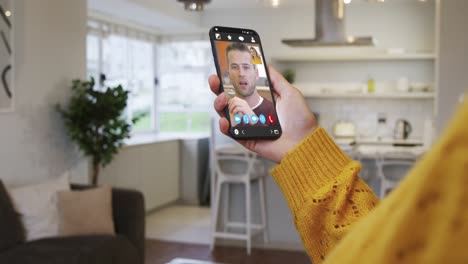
[[245, 82]]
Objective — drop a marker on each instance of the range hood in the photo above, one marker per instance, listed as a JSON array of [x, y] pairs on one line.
[[329, 28]]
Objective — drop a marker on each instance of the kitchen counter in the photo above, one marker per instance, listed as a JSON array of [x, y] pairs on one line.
[[389, 151], [372, 148], [389, 141]]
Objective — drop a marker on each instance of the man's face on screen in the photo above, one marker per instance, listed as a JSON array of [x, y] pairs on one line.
[[242, 72]]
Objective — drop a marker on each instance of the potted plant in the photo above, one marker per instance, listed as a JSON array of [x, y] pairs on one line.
[[289, 75], [94, 119]]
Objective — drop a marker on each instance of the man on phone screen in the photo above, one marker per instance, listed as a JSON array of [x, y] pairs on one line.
[[247, 107]]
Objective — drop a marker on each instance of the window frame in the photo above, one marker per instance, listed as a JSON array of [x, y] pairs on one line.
[[101, 30]]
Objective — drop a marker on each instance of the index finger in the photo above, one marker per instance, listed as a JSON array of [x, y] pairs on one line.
[[278, 83], [214, 82]]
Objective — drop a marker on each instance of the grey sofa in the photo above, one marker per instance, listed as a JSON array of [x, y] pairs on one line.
[[126, 247]]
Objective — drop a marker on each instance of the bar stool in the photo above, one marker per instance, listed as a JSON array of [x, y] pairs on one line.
[[400, 165], [222, 156]]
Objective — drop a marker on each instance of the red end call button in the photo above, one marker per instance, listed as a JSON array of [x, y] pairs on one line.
[[271, 119]]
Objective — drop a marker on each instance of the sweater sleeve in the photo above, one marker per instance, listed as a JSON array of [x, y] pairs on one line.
[[324, 192]]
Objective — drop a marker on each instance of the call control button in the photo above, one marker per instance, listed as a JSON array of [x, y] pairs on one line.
[[237, 119], [246, 119], [271, 119], [254, 119], [262, 118]]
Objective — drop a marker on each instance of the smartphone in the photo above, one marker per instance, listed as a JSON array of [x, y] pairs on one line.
[[241, 67]]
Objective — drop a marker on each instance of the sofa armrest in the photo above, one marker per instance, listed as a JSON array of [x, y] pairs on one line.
[[128, 208], [129, 217]]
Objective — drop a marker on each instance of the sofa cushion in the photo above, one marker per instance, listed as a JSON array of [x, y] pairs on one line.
[[86, 212], [37, 205], [11, 229], [98, 249]]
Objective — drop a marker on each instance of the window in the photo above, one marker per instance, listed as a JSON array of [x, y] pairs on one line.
[[167, 81], [184, 100], [92, 56], [130, 62]]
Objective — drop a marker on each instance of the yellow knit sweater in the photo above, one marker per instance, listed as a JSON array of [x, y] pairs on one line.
[[424, 220]]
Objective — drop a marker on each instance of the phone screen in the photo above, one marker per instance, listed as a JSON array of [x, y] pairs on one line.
[[241, 67]]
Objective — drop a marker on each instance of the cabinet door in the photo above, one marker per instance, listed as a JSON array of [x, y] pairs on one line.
[[124, 170], [189, 169]]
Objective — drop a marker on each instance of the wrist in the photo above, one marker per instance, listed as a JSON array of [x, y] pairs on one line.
[[294, 142]]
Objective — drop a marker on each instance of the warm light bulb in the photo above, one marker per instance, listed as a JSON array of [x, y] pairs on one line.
[[8, 13], [275, 3], [347, 1], [193, 6]]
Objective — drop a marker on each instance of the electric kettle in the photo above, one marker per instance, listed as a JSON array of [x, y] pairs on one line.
[[402, 129]]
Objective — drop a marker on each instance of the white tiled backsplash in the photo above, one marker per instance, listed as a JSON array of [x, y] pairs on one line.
[[363, 112]]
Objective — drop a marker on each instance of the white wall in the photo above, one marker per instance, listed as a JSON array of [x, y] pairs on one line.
[[452, 57], [5, 59], [50, 51], [403, 24], [364, 113]]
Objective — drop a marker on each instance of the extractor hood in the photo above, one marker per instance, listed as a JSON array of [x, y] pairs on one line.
[[329, 28]]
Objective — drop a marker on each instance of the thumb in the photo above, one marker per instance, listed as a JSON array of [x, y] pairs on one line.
[[278, 83]]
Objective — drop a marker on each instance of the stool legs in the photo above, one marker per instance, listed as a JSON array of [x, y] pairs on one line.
[[261, 187], [249, 226], [248, 220], [226, 208], [215, 214]]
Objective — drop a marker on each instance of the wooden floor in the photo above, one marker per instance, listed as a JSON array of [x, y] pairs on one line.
[[160, 252]]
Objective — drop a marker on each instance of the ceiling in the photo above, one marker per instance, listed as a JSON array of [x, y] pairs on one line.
[[224, 4], [169, 15], [159, 15], [240, 4]]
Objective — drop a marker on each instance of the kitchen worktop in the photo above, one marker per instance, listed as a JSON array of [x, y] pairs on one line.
[[372, 148], [388, 141], [364, 147], [389, 151]]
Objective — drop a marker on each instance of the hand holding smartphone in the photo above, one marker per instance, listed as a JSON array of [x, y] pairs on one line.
[[241, 67]]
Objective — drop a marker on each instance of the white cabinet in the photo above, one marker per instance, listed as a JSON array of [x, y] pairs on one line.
[[151, 168], [335, 81]]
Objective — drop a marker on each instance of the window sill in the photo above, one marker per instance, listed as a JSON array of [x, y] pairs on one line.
[[151, 138]]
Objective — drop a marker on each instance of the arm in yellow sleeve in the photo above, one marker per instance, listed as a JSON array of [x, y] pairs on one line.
[[324, 192]]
